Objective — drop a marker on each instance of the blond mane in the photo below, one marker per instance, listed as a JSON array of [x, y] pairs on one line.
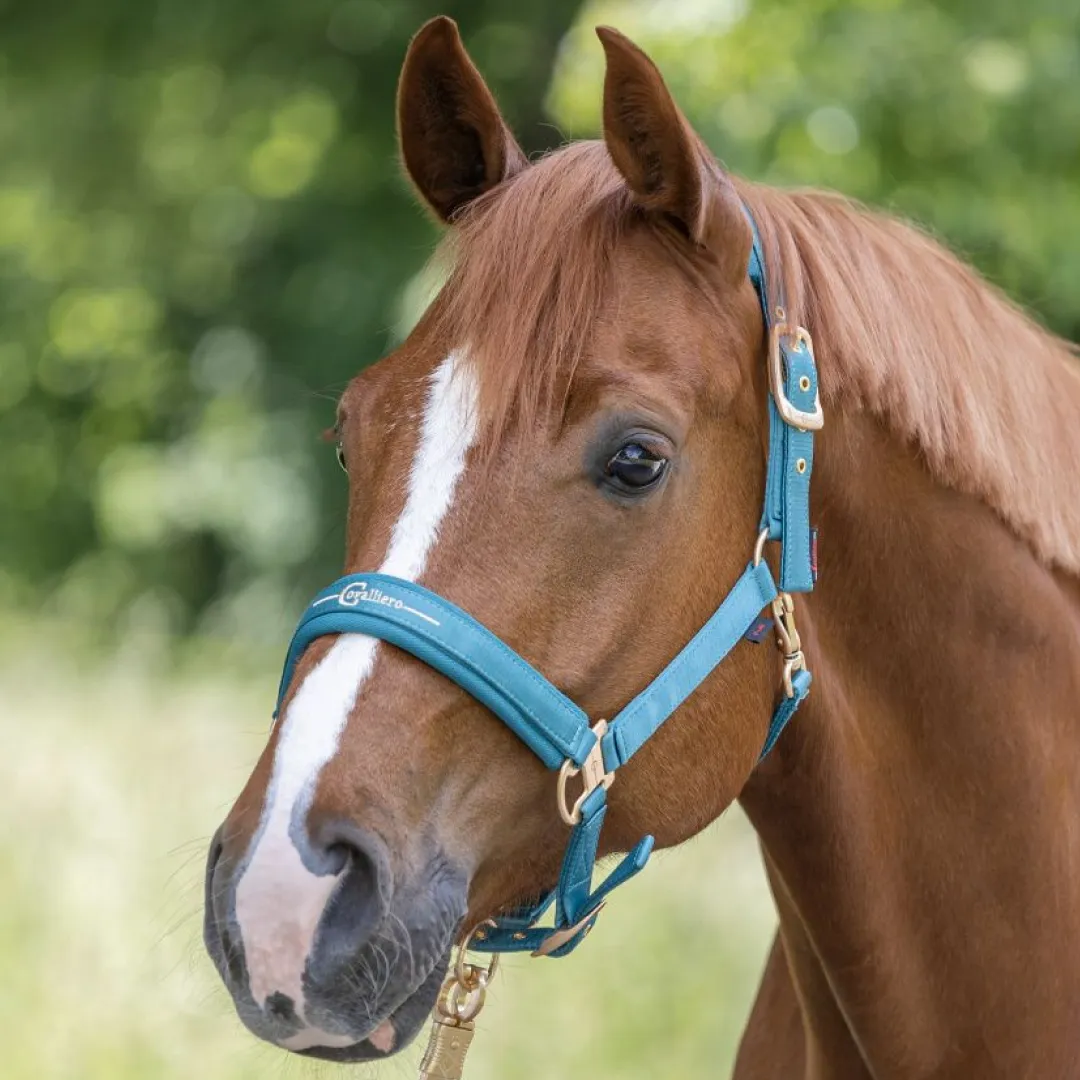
[[902, 329]]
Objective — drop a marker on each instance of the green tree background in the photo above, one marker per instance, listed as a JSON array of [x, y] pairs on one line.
[[204, 233]]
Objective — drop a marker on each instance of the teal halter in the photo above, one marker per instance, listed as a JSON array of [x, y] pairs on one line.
[[446, 638]]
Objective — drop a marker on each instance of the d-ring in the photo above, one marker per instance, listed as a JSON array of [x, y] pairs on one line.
[[592, 775], [759, 547], [469, 975]]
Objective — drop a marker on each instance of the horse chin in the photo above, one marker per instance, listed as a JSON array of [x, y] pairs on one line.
[[395, 1032]]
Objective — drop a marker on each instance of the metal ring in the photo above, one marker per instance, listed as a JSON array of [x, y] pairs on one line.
[[591, 771], [474, 978], [463, 1004], [792, 663], [571, 816], [759, 547]]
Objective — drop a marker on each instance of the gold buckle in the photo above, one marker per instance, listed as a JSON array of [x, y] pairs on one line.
[[558, 938], [791, 413], [592, 775]]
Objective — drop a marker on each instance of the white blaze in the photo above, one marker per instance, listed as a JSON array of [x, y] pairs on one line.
[[278, 900]]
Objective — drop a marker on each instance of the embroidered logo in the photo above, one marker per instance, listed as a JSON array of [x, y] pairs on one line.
[[359, 592], [758, 629]]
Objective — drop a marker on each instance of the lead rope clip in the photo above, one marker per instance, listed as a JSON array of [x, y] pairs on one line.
[[787, 633], [788, 640], [459, 1003]]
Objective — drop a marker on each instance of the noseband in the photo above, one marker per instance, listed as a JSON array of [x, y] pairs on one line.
[[447, 639]]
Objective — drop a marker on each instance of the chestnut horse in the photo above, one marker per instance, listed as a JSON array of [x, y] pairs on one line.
[[571, 447]]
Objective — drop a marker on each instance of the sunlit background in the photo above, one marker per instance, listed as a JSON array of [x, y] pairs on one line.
[[203, 235]]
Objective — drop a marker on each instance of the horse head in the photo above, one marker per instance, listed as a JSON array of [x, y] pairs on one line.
[[570, 447]]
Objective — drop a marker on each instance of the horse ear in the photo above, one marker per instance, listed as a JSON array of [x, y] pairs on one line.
[[454, 142], [662, 159]]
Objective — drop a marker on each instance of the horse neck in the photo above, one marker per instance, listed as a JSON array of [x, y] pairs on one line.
[[921, 817]]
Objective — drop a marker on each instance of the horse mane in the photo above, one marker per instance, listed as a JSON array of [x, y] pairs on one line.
[[902, 329], [906, 331]]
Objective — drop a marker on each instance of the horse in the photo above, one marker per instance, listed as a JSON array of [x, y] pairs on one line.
[[572, 447]]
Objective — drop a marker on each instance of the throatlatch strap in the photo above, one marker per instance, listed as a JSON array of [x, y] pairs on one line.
[[576, 904]]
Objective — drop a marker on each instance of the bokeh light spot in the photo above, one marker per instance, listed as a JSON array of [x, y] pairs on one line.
[[746, 117], [223, 217], [833, 130], [92, 322], [192, 93], [129, 504], [283, 165], [998, 68], [226, 359]]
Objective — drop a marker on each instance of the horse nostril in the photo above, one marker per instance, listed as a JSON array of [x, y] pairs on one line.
[[337, 857], [280, 1007], [362, 898]]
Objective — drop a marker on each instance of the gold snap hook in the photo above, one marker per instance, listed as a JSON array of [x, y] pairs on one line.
[[460, 1000], [787, 638]]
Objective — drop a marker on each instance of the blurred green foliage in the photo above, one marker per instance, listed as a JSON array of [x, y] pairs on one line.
[[204, 234], [961, 114]]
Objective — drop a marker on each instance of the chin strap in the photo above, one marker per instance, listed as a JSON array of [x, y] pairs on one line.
[[449, 640]]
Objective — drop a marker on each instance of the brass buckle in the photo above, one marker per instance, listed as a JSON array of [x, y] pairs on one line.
[[592, 775], [558, 938], [791, 413], [787, 637]]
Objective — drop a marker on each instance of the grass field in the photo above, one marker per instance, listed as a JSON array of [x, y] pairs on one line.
[[112, 779]]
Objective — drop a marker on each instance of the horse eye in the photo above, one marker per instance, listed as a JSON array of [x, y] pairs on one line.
[[636, 467], [341, 458]]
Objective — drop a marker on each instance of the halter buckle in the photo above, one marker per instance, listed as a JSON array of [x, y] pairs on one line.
[[558, 938], [592, 773], [791, 414]]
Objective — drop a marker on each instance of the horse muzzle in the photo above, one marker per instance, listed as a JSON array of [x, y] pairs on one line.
[[323, 952]]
